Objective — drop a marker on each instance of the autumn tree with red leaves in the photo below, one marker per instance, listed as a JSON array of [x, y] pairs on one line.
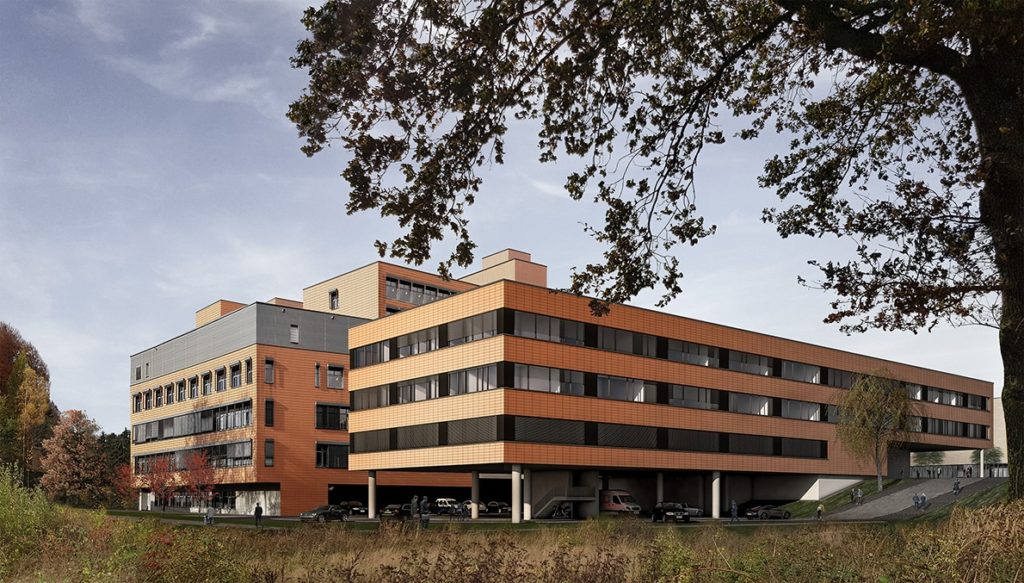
[[161, 478], [73, 462], [199, 477]]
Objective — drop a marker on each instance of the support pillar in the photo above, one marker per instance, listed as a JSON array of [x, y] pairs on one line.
[[716, 494], [660, 489], [527, 495], [371, 494], [474, 495], [981, 466], [517, 494]]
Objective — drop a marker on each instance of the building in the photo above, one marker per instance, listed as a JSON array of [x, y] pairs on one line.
[[512, 378], [494, 387]]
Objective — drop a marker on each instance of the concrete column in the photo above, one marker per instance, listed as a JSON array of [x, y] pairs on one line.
[[371, 494], [660, 488], [590, 480], [981, 466], [716, 494], [517, 494], [527, 495], [474, 495]]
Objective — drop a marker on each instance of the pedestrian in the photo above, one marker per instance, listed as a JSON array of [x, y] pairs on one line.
[[821, 510], [917, 502], [956, 488], [734, 511], [970, 470], [414, 508], [258, 513], [924, 501], [860, 496], [424, 512], [853, 495], [209, 514]]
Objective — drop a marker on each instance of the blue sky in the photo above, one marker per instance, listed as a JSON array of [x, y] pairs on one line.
[[147, 169]]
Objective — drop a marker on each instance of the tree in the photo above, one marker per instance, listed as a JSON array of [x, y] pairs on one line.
[[73, 463], [200, 476], [123, 486], [160, 476], [993, 455], [874, 415], [33, 403], [905, 120], [929, 458]]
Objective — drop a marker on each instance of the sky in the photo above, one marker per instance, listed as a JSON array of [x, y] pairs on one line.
[[147, 169]]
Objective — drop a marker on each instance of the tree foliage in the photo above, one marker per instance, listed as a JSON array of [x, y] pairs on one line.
[[874, 415], [161, 478], [993, 455], [199, 476], [929, 458], [74, 469], [905, 120]]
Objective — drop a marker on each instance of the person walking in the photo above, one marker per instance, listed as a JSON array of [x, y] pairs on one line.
[[258, 514], [956, 488], [414, 508], [924, 501], [734, 511], [820, 510], [917, 502], [209, 515], [424, 512], [853, 495], [860, 496]]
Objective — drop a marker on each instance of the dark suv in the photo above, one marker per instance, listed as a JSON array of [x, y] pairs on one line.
[[396, 512], [669, 512]]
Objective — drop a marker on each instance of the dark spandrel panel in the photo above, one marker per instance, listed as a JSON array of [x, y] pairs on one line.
[[478, 430], [416, 436], [549, 430], [792, 447], [688, 440], [751, 444], [614, 435]]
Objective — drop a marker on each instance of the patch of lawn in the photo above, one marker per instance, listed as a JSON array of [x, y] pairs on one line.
[[835, 502], [997, 495]]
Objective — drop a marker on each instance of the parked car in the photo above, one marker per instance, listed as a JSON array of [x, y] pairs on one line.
[[356, 508], [766, 511], [619, 501], [468, 505], [324, 513], [692, 510], [495, 507], [396, 512], [444, 506], [669, 512]]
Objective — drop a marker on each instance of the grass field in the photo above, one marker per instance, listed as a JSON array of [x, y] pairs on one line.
[[833, 503], [41, 541]]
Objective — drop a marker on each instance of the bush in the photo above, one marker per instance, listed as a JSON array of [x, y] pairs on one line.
[[25, 515]]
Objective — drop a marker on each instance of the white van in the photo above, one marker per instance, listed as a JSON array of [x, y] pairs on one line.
[[619, 501], [445, 506]]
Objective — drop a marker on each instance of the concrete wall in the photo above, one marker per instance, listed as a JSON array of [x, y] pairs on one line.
[[245, 502]]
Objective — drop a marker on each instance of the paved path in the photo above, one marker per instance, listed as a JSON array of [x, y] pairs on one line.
[[901, 500]]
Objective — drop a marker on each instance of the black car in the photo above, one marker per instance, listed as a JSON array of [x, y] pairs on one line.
[[766, 511], [396, 512], [356, 508], [669, 512], [495, 507], [324, 514]]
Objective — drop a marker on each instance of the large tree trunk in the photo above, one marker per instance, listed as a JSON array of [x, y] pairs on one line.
[[995, 96]]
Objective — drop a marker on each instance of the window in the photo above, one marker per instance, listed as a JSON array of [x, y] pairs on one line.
[[371, 398], [692, 353], [268, 371], [548, 380], [207, 384], [482, 378], [236, 376], [329, 455], [332, 298], [193, 387], [801, 410], [977, 402], [372, 354], [316, 375], [417, 342], [548, 328], [248, 371], [335, 377], [915, 391], [420, 389], [268, 453], [840, 379], [138, 373], [473, 328], [331, 417], [801, 372], [693, 397], [181, 390], [221, 380], [159, 397], [147, 370], [268, 413], [750, 404], [169, 398], [751, 444], [293, 334], [622, 389], [391, 288], [137, 402], [751, 363], [413, 293]]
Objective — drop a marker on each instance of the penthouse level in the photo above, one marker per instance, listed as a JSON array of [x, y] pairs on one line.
[[516, 378]]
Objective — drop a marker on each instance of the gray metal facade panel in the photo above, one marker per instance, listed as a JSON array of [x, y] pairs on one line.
[[222, 336], [255, 324]]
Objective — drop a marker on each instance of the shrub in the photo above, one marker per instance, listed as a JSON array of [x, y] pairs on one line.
[[25, 514]]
